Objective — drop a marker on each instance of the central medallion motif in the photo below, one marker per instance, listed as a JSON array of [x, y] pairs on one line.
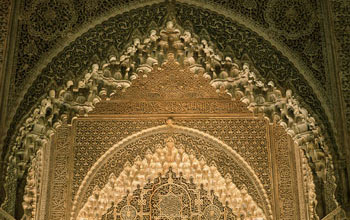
[[212, 212], [128, 212], [170, 197], [170, 205], [171, 200]]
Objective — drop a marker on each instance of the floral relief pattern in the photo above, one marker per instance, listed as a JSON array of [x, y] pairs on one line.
[[60, 70], [293, 18], [49, 19], [170, 197], [178, 155], [341, 10], [226, 76]]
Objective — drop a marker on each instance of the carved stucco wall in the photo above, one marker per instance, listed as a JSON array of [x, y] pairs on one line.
[[341, 13], [160, 89], [296, 25], [91, 137], [90, 142], [39, 36], [57, 71], [340, 22], [191, 141]]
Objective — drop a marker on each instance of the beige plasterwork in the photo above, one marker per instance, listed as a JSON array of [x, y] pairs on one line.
[[172, 129], [173, 157]]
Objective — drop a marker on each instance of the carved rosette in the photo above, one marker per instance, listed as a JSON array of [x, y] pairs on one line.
[[293, 19], [50, 19]]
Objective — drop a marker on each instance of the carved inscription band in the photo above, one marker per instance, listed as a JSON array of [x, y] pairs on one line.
[[165, 107]]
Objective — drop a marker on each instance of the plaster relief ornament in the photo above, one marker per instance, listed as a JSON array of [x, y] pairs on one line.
[[170, 205], [49, 19], [170, 184], [91, 8], [293, 19], [143, 57], [128, 212], [33, 187], [212, 212]]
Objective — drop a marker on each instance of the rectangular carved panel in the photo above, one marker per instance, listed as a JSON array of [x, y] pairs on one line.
[[93, 137], [287, 206], [59, 174], [248, 136], [267, 149]]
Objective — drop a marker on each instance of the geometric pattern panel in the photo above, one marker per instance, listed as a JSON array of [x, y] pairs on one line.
[[170, 197]]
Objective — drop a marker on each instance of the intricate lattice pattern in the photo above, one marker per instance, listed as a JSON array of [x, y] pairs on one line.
[[171, 197]]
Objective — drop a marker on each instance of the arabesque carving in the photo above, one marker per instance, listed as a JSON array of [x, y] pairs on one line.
[[4, 28], [59, 174], [179, 90], [141, 59], [181, 157], [248, 137], [155, 165], [285, 176], [340, 9]]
